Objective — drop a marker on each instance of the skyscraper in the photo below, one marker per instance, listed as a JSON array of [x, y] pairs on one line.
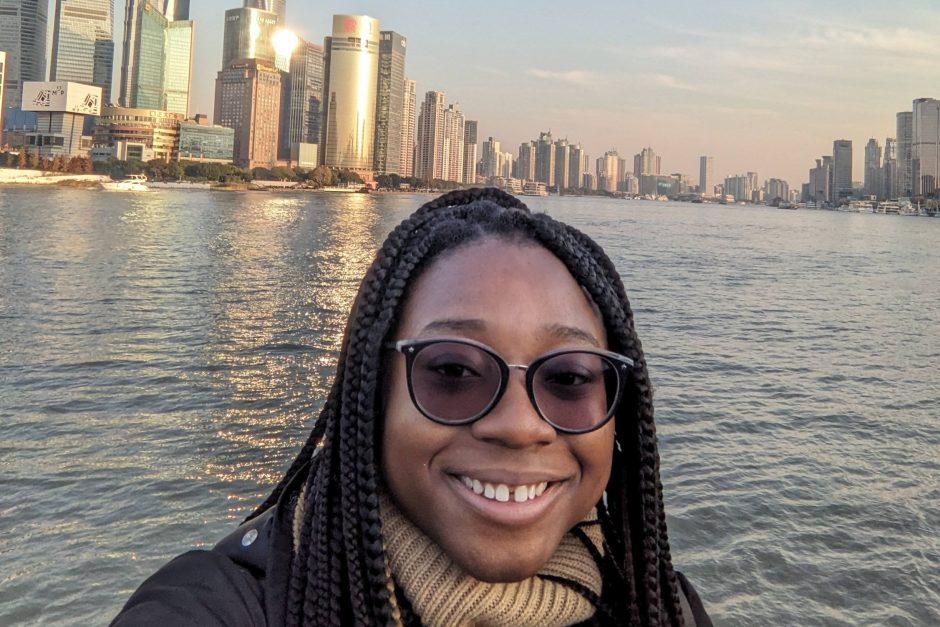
[[706, 176], [873, 184], [841, 170], [248, 99], [905, 139], [429, 150], [23, 37], [278, 7], [249, 34], [306, 93], [156, 67], [83, 43], [390, 103], [350, 92], [469, 152], [409, 120], [453, 153], [172, 10], [146, 90], [925, 148], [178, 66]]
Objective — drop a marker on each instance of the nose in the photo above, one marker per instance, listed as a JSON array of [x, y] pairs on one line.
[[514, 422]]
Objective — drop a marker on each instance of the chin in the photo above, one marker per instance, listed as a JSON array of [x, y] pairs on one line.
[[502, 568]]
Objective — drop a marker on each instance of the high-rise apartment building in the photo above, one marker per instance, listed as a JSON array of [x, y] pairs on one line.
[[277, 7], [525, 164], [647, 163], [562, 164], [248, 100], [873, 168], [429, 151], [706, 176], [610, 171], [777, 190], [545, 159], [925, 148], [409, 120], [23, 38], [577, 166], [390, 103], [248, 34], [83, 43], [453, 152], [820, 181], [306, 94], [905, 138], [889, 169], [469, 151], [352, 76], [491, 156], [3, 73], [841, 170]]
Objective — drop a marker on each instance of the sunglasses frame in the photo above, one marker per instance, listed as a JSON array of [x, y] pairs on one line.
[[411, 347]]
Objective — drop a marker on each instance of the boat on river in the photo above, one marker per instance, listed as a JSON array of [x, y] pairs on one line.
[[133, 183]]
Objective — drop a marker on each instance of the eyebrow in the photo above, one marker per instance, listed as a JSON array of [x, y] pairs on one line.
[[571, 333], [453, 324], [560, 331]]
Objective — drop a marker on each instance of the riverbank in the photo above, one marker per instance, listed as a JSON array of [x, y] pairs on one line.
[[9, 176]]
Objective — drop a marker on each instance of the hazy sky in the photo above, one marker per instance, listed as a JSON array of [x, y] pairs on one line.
[[762, 86]]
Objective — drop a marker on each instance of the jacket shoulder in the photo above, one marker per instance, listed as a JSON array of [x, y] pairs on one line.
[[693, 610], [196, 588]]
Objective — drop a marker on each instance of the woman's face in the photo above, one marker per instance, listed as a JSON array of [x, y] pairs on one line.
[[521, 301]]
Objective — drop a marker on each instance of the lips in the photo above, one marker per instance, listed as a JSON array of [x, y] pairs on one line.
[[503, 492]]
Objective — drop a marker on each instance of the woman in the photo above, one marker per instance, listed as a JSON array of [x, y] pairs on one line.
[[487, 453]]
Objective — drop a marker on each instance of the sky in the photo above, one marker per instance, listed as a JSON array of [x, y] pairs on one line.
[[760, 86]]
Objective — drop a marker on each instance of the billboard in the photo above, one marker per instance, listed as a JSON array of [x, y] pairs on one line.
[[61, 97]]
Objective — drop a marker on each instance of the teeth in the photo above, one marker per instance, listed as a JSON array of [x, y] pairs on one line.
[[503, 493]]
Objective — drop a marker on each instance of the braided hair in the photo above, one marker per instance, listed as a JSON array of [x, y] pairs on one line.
[[338, 574]]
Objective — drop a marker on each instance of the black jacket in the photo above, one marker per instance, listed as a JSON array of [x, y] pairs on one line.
[[243, 581]]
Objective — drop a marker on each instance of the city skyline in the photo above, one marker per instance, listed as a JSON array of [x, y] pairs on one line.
[[766, 94], [687, 80]]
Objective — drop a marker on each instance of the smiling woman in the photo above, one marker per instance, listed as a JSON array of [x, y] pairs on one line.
[[486, 456]]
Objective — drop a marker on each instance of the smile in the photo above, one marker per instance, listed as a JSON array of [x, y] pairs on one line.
[[502, 492]]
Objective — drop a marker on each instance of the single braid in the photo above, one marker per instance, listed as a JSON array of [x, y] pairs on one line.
[[338, 574]]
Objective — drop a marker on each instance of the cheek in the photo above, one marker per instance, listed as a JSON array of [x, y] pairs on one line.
[[596, 454]]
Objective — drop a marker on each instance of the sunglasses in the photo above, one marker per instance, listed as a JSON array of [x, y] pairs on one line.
[[458, 381]]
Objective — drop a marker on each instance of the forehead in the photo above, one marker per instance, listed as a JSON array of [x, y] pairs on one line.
[[501, 285]]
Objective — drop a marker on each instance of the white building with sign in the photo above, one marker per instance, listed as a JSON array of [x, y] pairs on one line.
[[61, 108]]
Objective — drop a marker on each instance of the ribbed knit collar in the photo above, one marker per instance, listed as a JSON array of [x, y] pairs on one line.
[[442, 594]]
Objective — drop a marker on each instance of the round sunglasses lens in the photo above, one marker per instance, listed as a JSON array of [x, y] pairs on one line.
[[453, 382], [576, 391]]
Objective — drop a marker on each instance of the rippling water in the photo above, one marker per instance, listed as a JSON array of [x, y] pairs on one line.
[[162, 357]]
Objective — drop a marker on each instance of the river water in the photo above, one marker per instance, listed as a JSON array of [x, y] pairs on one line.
[[162, 357]]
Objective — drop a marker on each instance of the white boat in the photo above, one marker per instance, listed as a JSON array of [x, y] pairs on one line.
[[133, 183]]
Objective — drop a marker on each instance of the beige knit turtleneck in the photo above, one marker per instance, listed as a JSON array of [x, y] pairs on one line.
[[442, 594]]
